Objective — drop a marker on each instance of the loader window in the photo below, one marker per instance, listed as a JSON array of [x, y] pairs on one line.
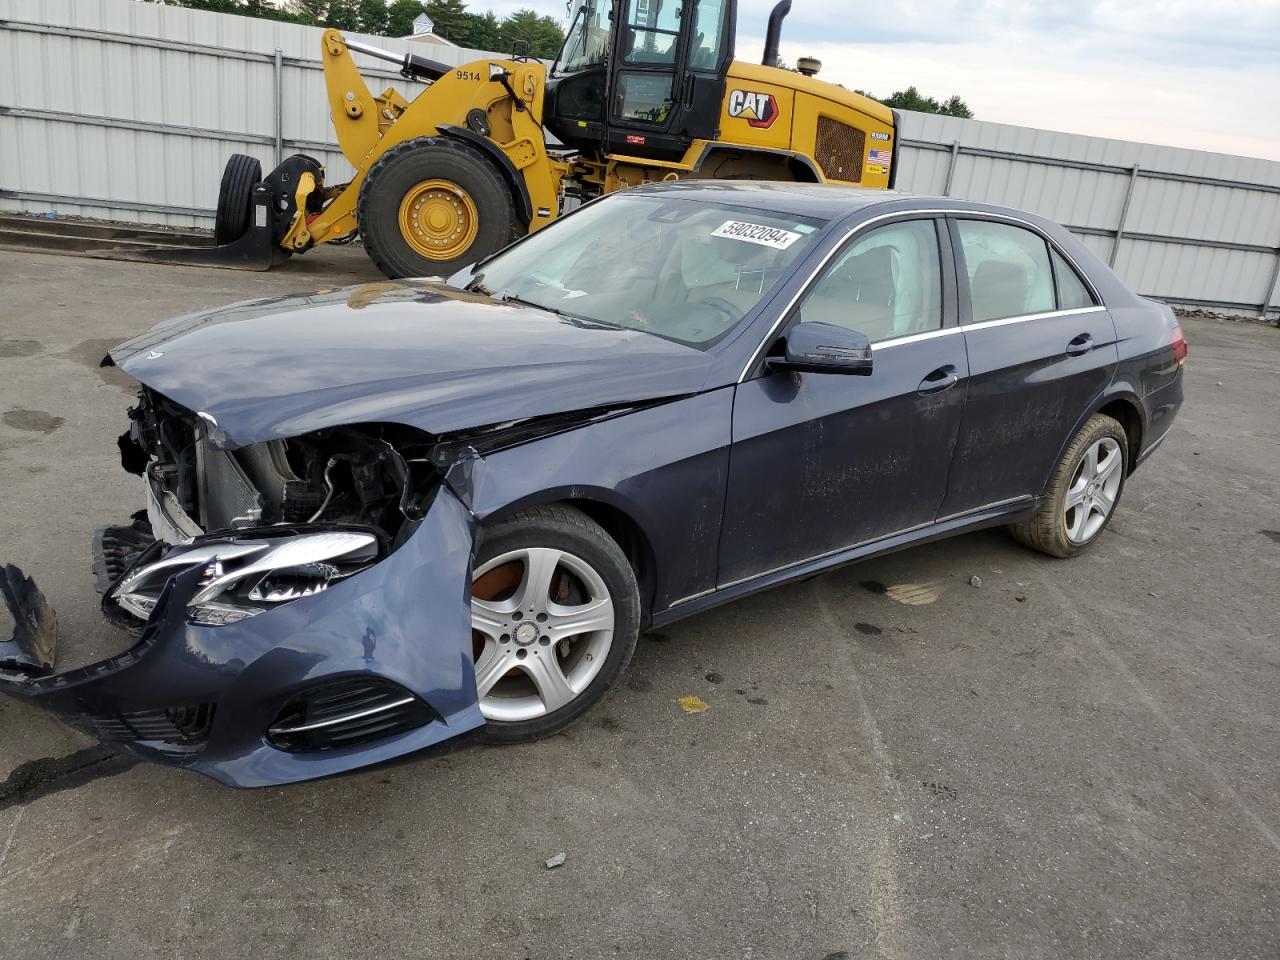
[[707, 43], [651, 30], [645, 97], [587, 42], [685, 270]]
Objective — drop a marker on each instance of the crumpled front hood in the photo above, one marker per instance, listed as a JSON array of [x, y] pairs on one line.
[[409, 352]]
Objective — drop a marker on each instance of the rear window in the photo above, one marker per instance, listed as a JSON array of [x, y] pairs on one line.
[[1008, 268], [1072, 293]]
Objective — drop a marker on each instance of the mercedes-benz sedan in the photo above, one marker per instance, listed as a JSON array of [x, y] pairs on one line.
[[379, 518]]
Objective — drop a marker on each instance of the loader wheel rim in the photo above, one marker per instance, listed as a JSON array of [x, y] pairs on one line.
[[438, 219]]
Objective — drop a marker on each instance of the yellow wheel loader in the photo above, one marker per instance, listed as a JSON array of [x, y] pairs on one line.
[[642, 90]]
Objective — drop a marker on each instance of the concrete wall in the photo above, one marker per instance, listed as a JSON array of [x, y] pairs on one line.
[[127, 111]]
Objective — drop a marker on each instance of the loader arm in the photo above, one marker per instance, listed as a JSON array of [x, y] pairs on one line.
[[369, 126]]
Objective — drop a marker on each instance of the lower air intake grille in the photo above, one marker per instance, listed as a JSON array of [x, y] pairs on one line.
[[839, 150], [346, 713], [186, 726]]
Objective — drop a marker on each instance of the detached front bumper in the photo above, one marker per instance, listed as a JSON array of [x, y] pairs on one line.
[[377, 666]]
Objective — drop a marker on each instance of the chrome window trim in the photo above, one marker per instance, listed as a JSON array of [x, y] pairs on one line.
[[931, 213], [1024, 317], [913, 338]]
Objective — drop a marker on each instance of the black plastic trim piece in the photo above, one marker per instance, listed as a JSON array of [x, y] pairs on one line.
[[893, 153]]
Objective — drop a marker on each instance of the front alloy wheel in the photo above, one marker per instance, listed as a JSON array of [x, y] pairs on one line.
[[554, 619]]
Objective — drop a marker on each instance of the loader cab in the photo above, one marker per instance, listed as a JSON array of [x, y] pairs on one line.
[[641, 77]]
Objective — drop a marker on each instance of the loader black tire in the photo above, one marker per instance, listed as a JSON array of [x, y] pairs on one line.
[[404, 168], [235, 198]]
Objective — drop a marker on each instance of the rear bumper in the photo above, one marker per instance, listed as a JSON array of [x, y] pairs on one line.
[[1162, 407], [203, 697]]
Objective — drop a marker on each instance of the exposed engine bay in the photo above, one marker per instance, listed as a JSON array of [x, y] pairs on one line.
[[379, 476], [271, 522], [277, 520]]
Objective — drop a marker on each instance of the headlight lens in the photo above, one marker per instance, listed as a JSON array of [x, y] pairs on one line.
[[245, 577]]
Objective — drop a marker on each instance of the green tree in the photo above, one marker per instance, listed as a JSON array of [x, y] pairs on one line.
[[400, 17], [245, 8], [955, 107], [343, 15], [450, 18], [913, 99], [310, 11], [542, 34], [483, 31], [372, 15]]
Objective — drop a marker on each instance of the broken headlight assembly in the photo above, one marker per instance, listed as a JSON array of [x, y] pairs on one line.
[[251, 573]]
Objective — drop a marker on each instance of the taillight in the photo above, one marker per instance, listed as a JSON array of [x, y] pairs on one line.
[[1179, 345]]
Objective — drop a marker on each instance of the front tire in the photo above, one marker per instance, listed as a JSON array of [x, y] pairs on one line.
[[431, 206], [1083, 492], [555, 613]]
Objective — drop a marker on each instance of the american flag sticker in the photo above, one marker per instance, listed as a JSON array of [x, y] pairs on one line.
[[879, 156]]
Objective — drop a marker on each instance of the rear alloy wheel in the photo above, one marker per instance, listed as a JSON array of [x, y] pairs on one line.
[[1082, 493], [554, 618]]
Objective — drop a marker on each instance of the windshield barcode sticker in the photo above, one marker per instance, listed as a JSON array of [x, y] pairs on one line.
[[755, 233]]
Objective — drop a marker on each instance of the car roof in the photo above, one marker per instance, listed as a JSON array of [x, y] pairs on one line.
[[827, 201]]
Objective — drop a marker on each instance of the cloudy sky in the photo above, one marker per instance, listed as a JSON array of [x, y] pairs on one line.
[[1203, 74]]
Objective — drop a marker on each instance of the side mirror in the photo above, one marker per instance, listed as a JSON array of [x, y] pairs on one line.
[[824, 348]]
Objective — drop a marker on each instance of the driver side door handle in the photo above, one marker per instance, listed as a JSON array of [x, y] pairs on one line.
[[944, 378], [1080, 345]]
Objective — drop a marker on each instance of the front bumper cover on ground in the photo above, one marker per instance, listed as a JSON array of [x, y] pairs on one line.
[[204, 697]]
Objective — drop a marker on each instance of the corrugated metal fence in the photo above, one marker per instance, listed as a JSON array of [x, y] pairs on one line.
[[127, 111], [1188, 226]]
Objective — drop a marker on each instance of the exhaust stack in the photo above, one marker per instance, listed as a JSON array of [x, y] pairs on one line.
[[774, 33]]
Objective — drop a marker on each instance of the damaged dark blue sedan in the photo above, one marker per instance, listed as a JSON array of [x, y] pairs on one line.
[[378, 518]]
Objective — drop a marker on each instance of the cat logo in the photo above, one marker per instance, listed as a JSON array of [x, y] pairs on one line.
[[758, 109]]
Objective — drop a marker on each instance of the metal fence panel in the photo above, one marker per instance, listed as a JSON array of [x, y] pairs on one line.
[[1184, 225], [128, 111], [138, 105]]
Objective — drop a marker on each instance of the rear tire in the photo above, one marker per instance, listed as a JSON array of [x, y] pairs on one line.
[[431, 206], [235, 198], [540, 582], [1083, 491]]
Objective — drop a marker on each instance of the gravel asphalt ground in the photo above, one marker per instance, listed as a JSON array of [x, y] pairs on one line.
[[1073, 759]]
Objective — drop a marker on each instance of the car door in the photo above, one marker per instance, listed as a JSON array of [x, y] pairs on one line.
[[823, 461], [1041, 349]]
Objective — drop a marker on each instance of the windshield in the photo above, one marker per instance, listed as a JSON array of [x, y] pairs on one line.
[[682, 269], [587, 43]]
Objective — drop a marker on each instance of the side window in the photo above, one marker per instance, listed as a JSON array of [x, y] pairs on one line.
[[644, 96], [651, 31], [1008, 268], [887, 284], [708, 35], [1072, 293]]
